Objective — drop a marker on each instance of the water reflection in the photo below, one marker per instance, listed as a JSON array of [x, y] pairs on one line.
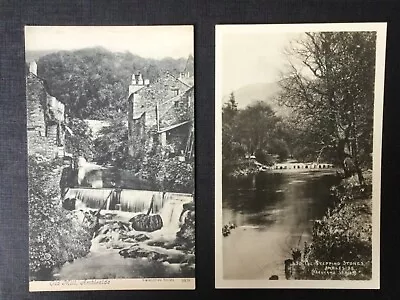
[[274, 213]]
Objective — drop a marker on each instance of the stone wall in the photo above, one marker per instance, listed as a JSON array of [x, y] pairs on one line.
[[176, 103], [177, 110], [137, 135], [44, 135], [162, 89]]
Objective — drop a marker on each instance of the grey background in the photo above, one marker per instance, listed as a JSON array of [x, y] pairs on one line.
[[204, 15]]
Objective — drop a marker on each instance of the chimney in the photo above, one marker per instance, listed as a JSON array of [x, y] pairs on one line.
[[33, 68], [133, 82], [137, 83], [140, 79]]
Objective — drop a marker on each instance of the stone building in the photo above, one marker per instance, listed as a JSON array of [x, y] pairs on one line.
[[162, 111], [45, 118]]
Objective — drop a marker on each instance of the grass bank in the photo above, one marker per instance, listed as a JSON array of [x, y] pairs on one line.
[[241, 168], [341, 246], [55, 234]]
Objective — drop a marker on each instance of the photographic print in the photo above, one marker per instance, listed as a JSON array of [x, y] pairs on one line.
[[110, 133], [298, 132]]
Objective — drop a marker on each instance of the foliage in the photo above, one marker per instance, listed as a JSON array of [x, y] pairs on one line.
[[112, 143], [263, 157], [93, 82], [343, 235], [241, 168], [158, 165], [80, 142], [186, 236], [255, 130], [55, 234], [329, 84]]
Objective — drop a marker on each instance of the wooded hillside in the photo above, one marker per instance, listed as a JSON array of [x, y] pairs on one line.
[[93, 82]]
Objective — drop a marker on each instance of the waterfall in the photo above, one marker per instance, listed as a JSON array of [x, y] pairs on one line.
[[92, 198], [171, 213], [137, 201]]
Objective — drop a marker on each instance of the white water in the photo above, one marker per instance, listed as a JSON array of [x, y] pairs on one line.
[[170, 207], [171, 215]]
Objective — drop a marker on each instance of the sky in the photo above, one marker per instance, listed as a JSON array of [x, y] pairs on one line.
[[147, 41], [250, 57]]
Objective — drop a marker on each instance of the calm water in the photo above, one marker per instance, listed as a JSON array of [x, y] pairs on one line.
[[274, 213]]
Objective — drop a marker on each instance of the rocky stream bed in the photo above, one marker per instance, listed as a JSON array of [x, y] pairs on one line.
[[119, 251]]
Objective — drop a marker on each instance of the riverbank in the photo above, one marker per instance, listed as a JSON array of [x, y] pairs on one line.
[[70, 244], [242, 168], [119, 251], [55, 235], [341, 244]]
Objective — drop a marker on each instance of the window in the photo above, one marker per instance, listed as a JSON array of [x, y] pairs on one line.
[[175, 91]]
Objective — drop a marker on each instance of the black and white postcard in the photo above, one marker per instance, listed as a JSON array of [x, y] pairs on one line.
[[298, 132], [110, 132]]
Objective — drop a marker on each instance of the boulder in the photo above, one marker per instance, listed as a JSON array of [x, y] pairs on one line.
[[148, 223], [135, 251]]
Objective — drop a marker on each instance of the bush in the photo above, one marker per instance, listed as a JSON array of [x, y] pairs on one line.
[[264, 158], [55, 234], [343, 235]]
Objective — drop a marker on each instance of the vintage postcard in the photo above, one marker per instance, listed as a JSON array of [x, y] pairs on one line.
[[298, 132], [110, 131]]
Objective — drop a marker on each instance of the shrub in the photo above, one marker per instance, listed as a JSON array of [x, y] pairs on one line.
[[55, 234], [264, 158], [343, 235]]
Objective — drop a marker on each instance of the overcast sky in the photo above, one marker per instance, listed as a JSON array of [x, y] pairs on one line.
[[146, 41], [250, 57]]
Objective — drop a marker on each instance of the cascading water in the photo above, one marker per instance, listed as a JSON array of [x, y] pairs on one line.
[[140, 201], [171, 214], [92, 198], [159, 246], [169, 206]]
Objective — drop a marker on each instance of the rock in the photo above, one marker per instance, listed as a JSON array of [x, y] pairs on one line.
[[118, 245], [134, 236], [169, 245], [156, 243], [181, 248], [149, 223], [141, 237], [104, 239], [135, 251], [175, 259], [288, 268], [129, 240], [189, 206], [69, 204], [274, 277]]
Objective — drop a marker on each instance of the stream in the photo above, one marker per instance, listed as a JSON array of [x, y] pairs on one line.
[[274, 212]]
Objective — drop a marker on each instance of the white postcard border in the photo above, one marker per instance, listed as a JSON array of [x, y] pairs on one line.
[[113, 284], [374, 283]]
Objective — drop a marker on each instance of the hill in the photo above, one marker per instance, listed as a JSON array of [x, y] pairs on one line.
[[93, 82], [37, 54], [265, 91]]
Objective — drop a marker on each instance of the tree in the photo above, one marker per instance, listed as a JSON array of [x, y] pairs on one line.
[[112, 143], [231, 149], [79, 142], [329, 84], [93, 82], [255, 126]]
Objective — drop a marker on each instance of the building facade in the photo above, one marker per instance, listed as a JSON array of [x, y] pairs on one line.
[[162, 112], [45, 118]]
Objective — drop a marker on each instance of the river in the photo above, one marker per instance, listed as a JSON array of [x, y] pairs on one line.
[[274, 212], [104, 260]]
